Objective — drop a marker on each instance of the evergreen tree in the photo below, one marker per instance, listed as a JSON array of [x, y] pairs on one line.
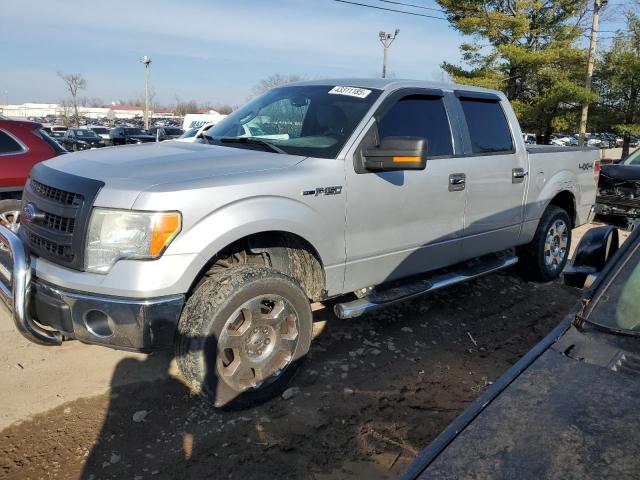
[[528, 49]]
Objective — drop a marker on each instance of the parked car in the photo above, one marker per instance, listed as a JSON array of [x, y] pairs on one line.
[[219, 248], [165, 133], [568, 408], [129, 135], [608, 140], [103, 132], [529, 138], [58, 129], [76, 139], [22, 145], [194, 120], [194, 135], [618, 199]]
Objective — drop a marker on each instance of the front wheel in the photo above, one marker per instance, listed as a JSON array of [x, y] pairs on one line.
[[242, 335], [10, 214], [547, 254]]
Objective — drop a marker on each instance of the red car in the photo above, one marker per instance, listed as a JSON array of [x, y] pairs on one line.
[[22, 145]]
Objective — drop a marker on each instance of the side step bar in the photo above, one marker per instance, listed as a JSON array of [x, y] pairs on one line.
[[407, 291]]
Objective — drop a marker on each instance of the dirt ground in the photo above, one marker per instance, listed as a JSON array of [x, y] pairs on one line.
[[372, 393]]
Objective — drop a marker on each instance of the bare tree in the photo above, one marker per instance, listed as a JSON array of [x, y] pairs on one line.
[[273, 81], [74, 82], [183, 108], [64, 113], [223, 108], [95, 102]]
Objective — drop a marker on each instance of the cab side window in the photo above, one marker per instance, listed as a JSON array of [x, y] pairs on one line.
[[488, 127], [419, 116]]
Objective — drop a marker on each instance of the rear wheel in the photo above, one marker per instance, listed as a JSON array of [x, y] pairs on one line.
[[242, 335], [10, 213], [547, 254]]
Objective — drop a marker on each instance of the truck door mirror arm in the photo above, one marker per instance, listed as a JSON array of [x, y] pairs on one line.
[[397, 153]]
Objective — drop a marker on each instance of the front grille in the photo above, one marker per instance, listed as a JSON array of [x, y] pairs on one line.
[[55, 194], [61, 224], [47, 246], [63, 205]]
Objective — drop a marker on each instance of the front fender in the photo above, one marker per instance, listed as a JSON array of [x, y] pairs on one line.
[[258, 214]]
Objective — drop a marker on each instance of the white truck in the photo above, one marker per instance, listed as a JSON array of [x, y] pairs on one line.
[[364, 191]]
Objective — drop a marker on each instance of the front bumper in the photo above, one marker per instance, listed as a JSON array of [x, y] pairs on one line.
[[46, 314]]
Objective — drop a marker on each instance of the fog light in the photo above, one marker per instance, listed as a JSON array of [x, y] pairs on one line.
[[98, 323]]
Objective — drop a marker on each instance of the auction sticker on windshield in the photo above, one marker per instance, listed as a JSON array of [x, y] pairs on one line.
[[350, 91]]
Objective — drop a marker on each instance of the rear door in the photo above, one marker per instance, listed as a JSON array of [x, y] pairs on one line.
[[496, 173], [401, 223]]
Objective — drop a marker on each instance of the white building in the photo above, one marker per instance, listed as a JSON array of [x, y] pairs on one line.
[[41, 110]]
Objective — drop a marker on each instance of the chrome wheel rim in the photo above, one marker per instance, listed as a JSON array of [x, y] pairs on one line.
[[555, 245], [257, 342], [10, 219]]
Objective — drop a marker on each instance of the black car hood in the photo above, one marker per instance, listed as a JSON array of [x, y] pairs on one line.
[[90, 140], [621, 172], [561, 419]]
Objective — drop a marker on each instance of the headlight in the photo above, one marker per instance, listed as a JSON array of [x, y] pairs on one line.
[[127, 234]]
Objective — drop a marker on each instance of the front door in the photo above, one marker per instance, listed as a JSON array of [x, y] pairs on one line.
[[401, 223]]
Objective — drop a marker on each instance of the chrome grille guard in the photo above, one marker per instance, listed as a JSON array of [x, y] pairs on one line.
[[15, 285]]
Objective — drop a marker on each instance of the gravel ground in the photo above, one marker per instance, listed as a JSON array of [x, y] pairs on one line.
[[372, 393]]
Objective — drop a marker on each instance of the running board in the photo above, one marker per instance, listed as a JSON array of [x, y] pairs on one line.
[[465, 271]]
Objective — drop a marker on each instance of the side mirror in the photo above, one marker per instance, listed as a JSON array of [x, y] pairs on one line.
[[397, 153], [596, 247]]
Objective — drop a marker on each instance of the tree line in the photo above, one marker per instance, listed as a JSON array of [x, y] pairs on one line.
[[533, 51]]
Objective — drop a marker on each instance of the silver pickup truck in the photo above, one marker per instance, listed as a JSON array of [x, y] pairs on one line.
[[366, 192]]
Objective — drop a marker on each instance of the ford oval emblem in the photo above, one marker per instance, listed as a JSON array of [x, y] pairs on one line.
[[28, 213]]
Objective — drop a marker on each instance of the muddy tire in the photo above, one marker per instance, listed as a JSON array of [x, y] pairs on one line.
[[547, 254], [9, 212], [242, 335]]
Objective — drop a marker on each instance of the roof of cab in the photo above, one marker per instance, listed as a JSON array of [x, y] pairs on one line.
[[393, 84]]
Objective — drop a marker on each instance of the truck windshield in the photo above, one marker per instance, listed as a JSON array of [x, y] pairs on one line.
[[308, 120], [618, 308]]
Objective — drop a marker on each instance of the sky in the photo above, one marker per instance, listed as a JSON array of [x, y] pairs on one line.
[[211, 51]]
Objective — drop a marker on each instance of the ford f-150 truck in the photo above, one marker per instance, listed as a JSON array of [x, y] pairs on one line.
[[363, 191]]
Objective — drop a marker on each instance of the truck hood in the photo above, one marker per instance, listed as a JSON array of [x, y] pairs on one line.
[[622, 172], [140, 167]]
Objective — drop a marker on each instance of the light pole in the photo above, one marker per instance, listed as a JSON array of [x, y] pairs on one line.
[[582, 129], [146, 61], [386, 39]]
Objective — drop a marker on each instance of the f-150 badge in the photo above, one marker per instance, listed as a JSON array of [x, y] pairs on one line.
[[336, 190]]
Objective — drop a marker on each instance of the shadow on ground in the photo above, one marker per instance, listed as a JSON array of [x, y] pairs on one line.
[[372, 393]]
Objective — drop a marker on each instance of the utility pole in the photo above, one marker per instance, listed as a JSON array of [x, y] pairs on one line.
[[147, 65], [386, 39], [597, 6]]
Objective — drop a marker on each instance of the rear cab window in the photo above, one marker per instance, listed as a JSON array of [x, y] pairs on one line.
[[489, 130]]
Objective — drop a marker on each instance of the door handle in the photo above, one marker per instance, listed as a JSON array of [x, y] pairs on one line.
[[518, 175], [457, 182]]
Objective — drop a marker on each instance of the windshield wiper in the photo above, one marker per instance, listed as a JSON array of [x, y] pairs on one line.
[[252, 141], [606, 328]]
